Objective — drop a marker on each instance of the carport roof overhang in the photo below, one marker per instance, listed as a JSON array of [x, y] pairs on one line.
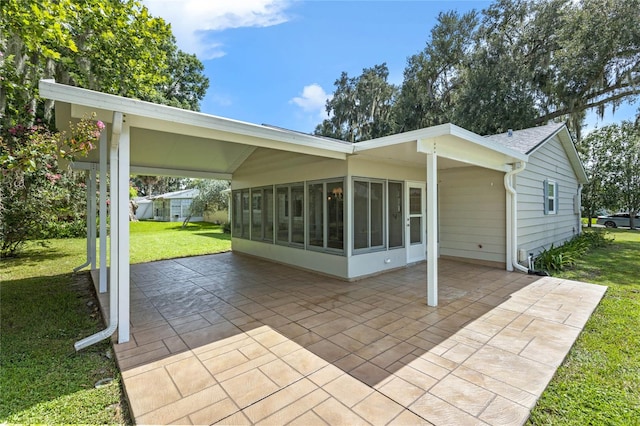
[[176, 142]]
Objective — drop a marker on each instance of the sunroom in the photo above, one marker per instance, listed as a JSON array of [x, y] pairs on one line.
[[369, 213]]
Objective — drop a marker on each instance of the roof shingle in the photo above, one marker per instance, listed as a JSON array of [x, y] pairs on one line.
[[526, 140]]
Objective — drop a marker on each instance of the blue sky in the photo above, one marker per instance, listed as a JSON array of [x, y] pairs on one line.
[[275, 61]]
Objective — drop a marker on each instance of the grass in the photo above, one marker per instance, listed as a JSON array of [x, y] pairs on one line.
[[598, 383], [45, 309]]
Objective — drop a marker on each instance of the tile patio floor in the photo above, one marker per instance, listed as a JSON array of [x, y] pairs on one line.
[[230, 339]]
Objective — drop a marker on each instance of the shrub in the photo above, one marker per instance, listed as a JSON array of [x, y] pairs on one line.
[[556, 259], [72, 229]]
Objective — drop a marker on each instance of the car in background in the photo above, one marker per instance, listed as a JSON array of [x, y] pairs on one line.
[[617, 220]]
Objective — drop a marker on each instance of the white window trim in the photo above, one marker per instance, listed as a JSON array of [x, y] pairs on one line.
[[370, 248], [548, 184]]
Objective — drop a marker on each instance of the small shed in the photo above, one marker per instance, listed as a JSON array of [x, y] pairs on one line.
[[174, 206], [145, 208]]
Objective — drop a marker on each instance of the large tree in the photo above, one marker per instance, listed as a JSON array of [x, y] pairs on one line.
[[361, 107], [432, 76], [525, 63], [614, 160], [110, 46], [213, 196]]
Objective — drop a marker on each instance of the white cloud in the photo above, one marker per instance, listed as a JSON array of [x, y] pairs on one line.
[[313, 100], [192, 21]]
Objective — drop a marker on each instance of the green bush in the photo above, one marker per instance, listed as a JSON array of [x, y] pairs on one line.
[[226, 227], [556, 259], [71, 229]]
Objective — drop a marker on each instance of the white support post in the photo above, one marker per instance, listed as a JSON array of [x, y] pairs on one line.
[[102, 286], [114, 225], [114, 286], [123, 234], [91, 219], [432, 227]]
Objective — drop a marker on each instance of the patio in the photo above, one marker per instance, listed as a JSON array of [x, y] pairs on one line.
[[231, 339]]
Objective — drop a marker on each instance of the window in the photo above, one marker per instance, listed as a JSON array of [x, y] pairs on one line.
[[262, 214], [368, 214], [550, 197], [268, 214], [325, 215], [240, 213], [297, 214], [289, 214], [396, 219], [256, 214], [282, 214], [316, 215], [236, 214], [245, 207]]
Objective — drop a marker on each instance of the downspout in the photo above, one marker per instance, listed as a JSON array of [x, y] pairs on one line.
[[508, 179], [113, 284], [579, 209]]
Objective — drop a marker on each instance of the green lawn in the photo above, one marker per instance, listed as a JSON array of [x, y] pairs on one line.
[[44, 311], [599, 381]]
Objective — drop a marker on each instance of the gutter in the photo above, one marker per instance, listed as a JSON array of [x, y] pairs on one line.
[[508, 184]]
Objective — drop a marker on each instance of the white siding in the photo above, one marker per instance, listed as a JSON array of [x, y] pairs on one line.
[[363, 167], [472, 213], [535, 229], [321, 262], [268, 167]]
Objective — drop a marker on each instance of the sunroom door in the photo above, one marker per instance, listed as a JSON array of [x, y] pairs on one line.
[[416, 236]]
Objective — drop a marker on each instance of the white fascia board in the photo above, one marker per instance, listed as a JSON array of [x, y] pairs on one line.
[[569, 147], [254, 133], [414, 135], [439, 131], [487, 143], [572, 153], [466, 153], [574, 158], [196, 174]]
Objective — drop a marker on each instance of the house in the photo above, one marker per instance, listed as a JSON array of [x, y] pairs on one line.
[[144, 209], [343, 209], [174, 206], [367, 213]]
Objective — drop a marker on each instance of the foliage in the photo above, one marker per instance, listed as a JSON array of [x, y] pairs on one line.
[[33, 191], [597, 383], [612, 158], [112, 47], [432, 77], [156, 185], [360, 108], [212, 196], [517, 64], [556, 259]]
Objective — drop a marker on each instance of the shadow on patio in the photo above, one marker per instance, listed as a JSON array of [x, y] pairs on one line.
[[237, 340]]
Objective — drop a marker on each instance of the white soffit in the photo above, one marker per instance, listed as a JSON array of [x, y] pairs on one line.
[[170, 120], [447, 141]]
